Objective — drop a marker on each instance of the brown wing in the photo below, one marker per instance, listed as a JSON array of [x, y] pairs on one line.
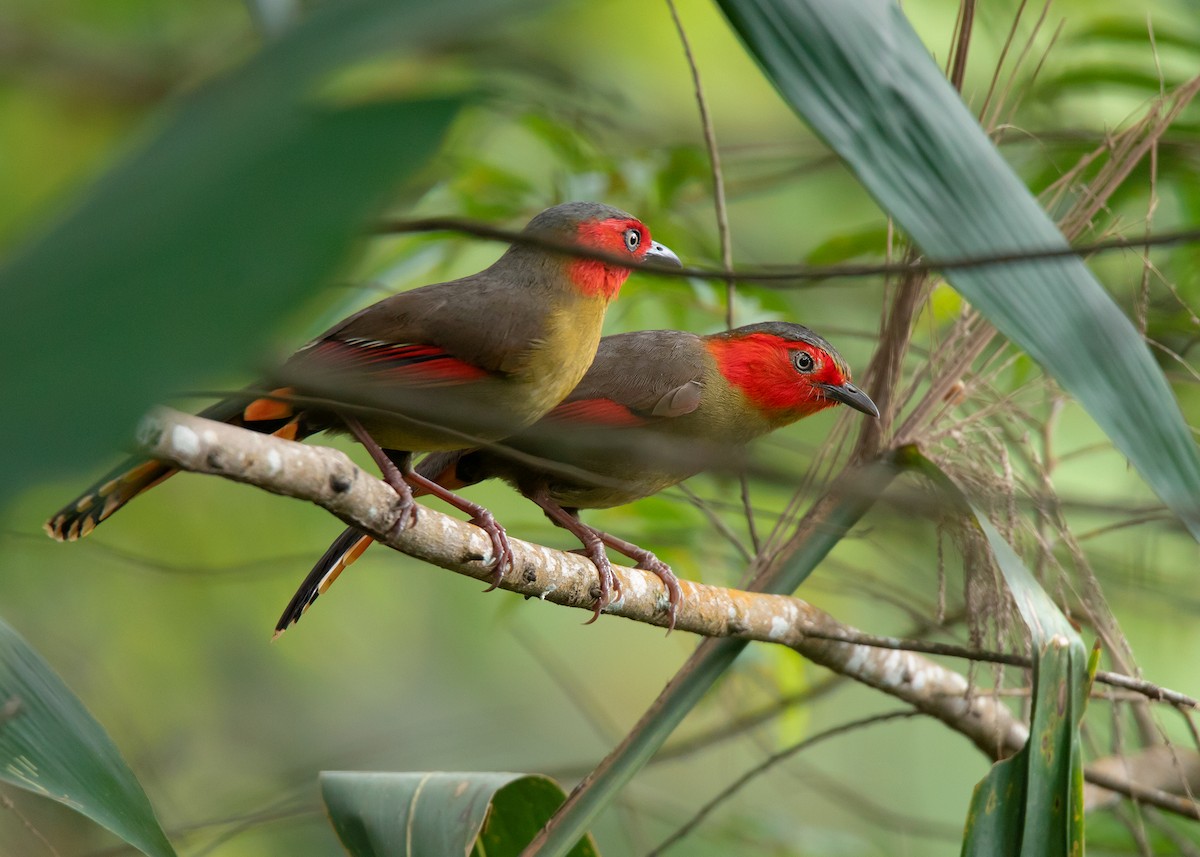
[[487, 320], [637, 377]]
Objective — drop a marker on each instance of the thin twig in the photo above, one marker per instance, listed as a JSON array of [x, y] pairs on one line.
[[1131, 817], [1008, 40], [7, 803], [927, 647], [722, 215], [716, 520], [770, 761], [1143, 794], [962, 43], [881, 815], [714, 162], [779, 277], [1183, 844], [749, 720]]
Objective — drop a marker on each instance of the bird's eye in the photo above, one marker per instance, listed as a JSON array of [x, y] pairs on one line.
[[633, 240], [803, 361]]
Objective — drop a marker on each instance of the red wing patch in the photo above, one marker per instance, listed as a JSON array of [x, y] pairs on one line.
[[603, 412], [410, 365]]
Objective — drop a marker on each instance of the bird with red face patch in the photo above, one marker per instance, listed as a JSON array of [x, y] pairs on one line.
[[436, 368], [656, 407]]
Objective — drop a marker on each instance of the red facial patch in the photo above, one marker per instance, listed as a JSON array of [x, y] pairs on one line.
[[597, 278], [600, 412], [761, 366]]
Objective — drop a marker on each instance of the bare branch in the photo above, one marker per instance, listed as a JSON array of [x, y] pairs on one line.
[[330, 479]]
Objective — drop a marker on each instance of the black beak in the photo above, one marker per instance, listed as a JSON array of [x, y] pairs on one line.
[[850, 395]]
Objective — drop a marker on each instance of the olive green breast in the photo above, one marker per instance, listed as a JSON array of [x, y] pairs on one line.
[[556, 362]]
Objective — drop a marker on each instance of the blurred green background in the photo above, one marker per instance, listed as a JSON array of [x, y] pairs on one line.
[[161, 621]]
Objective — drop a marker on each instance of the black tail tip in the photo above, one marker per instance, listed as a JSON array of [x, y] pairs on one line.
[[69, 528], [293, 613]]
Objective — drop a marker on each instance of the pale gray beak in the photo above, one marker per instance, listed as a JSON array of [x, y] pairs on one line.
[[662, 253]]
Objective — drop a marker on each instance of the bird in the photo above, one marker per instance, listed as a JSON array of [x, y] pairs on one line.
[[434, 368], [654, 408]]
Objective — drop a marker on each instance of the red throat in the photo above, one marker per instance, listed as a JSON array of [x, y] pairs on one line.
[[760, 365], [598, 279]]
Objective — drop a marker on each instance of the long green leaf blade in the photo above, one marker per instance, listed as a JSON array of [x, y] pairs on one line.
[[860, 76], [174, 267], [1032, 803], [50, 745]]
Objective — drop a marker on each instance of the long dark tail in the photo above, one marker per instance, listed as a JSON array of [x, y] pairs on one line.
[[346, 548], [138, 474], [441, 467]]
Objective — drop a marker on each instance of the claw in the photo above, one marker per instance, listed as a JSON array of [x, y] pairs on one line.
[[406, 510], [608, 584], [649, 562], [670, 582], [502, 555]]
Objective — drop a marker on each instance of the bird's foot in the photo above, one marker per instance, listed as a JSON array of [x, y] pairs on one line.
[[608, 585], [670, 582], [647, 561], [502, 555], [405, 509]]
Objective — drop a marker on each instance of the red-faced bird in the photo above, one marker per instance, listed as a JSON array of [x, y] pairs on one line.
[[656, 407], [435, 368]]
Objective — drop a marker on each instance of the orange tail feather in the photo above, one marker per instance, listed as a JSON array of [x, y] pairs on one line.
[[119, 486], [80, 517]]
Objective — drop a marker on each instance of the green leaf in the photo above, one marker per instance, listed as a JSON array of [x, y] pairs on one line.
[[867, 241], [1032, 803], [862, 78], [173, 268], [51, 746], [398, 815], [1105, 77], [1132, 31]]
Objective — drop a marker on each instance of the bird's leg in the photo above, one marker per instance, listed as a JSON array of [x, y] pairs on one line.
[[593, 546], [502, 555], [649, 562], [392, 472]]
